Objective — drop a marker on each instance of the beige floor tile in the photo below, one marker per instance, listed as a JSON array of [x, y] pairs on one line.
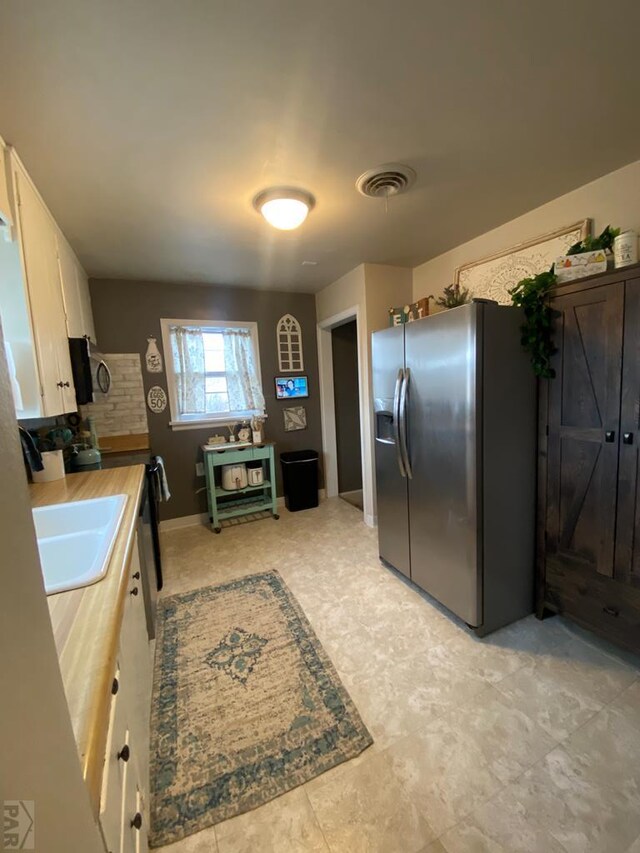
[[564, 688], [455, 719], [577, 804], [463, 758], [200, 842], [500, 825], [365, 809], [410, 697], [284, 825]]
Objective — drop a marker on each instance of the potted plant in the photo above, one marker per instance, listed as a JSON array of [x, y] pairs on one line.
[[530, 294], [453, 296]]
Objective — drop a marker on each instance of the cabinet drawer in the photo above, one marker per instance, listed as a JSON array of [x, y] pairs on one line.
[[113, 777], [606, 606], [230, 457]]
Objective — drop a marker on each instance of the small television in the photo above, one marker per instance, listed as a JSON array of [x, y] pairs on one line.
[[290, 387]]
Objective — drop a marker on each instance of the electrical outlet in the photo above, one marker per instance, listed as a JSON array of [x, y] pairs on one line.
[[199, 469]]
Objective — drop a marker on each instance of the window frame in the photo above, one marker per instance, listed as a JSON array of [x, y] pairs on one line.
[[196, 421]]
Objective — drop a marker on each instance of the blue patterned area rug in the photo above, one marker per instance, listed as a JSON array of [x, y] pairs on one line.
[[246, 705]]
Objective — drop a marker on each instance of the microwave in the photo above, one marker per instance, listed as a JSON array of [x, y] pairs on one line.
[[91, 374]]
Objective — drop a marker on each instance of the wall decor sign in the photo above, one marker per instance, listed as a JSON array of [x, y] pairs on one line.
[[295, 418], [291, 386], [491, 277], [157, 399], [289, 338], [153, 357]]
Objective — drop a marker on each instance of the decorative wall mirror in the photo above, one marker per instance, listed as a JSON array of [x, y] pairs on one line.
[[289, 336]]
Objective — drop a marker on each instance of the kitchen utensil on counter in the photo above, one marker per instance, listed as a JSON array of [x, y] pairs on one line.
[[53, 462], [234, 477]]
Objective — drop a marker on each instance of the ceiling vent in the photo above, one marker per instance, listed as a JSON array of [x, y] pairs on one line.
[[385, 181]]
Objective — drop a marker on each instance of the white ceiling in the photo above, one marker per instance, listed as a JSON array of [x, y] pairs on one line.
[[149, 125]]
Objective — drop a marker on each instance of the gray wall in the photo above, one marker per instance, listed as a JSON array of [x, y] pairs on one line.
[[127, 312], [344, 346]]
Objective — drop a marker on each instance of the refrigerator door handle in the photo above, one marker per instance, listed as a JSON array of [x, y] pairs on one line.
[[396, 422], [402, 424]]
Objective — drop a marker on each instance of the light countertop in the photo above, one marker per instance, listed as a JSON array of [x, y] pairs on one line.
[[86, 622]]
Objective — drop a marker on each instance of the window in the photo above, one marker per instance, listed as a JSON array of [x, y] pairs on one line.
[[213, 372]]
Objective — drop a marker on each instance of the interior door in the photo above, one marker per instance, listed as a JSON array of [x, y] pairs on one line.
[[627, 554], [391, 481], [584, 428]]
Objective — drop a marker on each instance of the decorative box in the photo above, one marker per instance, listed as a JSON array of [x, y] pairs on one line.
[[569, 267], [409, 313]]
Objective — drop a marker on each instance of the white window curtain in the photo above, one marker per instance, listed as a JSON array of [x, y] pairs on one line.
[[188, 360], [243, 386]]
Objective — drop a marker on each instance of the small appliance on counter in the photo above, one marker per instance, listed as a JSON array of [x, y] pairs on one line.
[[234, 477], [85, 459], [255, 473]]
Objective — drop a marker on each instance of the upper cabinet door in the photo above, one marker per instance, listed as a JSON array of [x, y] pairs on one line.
[[38, 239], [6, 216], [584, 428], [75, 286]]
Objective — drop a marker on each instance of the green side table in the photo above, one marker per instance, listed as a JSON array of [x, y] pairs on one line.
[[230, 504]]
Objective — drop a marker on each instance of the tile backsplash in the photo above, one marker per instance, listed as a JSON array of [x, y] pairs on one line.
[[123, 411]]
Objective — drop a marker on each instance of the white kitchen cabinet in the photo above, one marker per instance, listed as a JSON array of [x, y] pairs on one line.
[[33, 307], [75, 289], [124, 812], [40, 257]]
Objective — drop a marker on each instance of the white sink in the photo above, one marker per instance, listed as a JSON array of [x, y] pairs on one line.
[[75, 540]]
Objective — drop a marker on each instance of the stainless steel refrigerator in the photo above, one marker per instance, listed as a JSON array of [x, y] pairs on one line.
[[455, 444]]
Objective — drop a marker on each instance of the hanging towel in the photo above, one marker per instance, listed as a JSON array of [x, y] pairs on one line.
[[165, 494]]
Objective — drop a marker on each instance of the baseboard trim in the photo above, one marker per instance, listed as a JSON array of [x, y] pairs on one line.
[[203, 518]]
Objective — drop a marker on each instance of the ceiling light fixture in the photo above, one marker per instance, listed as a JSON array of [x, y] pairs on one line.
[[283, 207]]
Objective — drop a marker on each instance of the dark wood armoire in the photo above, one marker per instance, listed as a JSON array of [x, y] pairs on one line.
[[588, 476]]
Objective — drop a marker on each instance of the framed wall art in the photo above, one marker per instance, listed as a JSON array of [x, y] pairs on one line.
[[491, 277], [289, 335], [295, 418]]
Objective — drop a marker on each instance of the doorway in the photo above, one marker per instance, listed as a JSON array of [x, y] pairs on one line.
[[346, 396]]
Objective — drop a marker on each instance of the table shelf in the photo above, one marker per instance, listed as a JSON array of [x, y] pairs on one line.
[[232, 503], [226, 493]]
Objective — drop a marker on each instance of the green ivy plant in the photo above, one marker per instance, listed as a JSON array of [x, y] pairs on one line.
[[530, 294], [453, 296], [590, 244]]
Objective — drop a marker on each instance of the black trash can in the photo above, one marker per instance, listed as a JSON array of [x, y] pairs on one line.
[[300, 479]]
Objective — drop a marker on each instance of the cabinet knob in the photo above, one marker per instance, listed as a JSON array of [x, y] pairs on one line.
[[59, 384], [136, 823], [136, 576], [134, 591], [610, 436], [115, 686], [66, 384], [627, 438], [125, 753]]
